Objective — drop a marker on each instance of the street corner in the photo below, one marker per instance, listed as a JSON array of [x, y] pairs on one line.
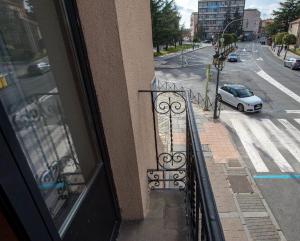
[[218, 138]]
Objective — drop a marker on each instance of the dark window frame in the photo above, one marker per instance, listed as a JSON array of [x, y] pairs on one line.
[[70, 21]]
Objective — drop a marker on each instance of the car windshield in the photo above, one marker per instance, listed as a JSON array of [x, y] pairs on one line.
[[243, 93], [232, 55]]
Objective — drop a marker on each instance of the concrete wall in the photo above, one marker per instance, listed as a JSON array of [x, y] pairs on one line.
[[118, 39]]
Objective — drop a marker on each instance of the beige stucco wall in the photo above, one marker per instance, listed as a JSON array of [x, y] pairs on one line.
[[118, 39], [136, 43], [294, 28]]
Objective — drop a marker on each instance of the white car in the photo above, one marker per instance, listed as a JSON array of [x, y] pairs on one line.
[[240, 97]]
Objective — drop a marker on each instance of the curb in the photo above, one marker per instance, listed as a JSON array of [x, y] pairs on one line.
[[167, 56], [279, 57], [179, 66]]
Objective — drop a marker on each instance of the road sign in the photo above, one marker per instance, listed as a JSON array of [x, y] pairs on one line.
[[222, 40]]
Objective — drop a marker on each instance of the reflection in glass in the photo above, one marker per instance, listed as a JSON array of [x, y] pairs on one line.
[[29, 93]]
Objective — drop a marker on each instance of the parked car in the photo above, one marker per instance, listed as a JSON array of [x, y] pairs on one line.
[[293, 63], [232, 57], [38, 68], [240, 97]]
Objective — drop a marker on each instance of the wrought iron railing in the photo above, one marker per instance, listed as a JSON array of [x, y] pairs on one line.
[[195, 97], [202, 215], [180, 162]]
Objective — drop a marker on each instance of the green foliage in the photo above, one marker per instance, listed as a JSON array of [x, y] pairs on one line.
[[289, 10], [234, 38], [279, 38], [289, 39], [165, 23], [271, 29], [296, 51], [228, 39], [173, 49]]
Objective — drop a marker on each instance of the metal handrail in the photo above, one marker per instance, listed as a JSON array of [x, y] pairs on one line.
[[211, 225]]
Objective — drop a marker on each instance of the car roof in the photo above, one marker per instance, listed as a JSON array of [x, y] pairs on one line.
[[235, 86]]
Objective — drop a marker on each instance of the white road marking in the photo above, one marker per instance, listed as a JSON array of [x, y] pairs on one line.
[[260, 59], [292, 111], [268, 146], [297, 120], [290, 128], [252, 152], [284, 139], [275, 83]]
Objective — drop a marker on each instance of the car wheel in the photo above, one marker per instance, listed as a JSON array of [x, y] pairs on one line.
[[240, 108], [219, 97], [292, 67]]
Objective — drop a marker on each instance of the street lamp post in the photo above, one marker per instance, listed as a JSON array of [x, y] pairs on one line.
[[220, 63]]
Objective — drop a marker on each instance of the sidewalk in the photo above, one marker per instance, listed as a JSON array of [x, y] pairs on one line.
[[288, 55], [243, 212], [161, 61]]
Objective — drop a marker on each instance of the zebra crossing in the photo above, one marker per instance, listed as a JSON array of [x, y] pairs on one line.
[[272, 145]]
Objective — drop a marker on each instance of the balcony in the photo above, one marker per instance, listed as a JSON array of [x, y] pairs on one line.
[[182, 204]]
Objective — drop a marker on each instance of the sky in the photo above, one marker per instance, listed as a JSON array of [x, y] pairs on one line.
[[186, 7]]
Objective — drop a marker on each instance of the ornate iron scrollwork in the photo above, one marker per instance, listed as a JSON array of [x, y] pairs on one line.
[[170, 170], [164, 103], [172, 161], [159, 179]]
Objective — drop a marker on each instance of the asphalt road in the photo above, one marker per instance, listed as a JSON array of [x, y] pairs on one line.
[[269, 141]]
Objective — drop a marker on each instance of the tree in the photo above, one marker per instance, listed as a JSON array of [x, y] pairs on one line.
[[279, 41], [279, 38], [234, 38], [199, 35], [165, 23], [234, 27], [288, 39], [271, 29], [288, 11], [156, 18]]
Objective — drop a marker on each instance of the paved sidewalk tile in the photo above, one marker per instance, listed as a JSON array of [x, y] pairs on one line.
[[217, 136], [233, 229]]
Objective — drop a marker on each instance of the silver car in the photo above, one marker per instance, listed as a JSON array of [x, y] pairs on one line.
[[293, 63]]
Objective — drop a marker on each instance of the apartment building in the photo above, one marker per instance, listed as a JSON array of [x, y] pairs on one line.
[[213, 15], [251, 24], [194, 23]]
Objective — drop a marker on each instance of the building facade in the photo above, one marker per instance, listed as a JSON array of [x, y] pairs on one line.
[[194, 25], [294, 28], [263, 24], [213, 15], [251, 24]]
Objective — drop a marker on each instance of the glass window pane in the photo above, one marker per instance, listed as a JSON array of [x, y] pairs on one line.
[[38, 91]]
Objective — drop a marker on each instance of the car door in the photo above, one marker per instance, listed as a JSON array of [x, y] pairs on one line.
[[231, 97], [224, 93], [290, 62]]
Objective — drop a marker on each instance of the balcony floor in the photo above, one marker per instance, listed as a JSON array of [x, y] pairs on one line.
[[165, 220]]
